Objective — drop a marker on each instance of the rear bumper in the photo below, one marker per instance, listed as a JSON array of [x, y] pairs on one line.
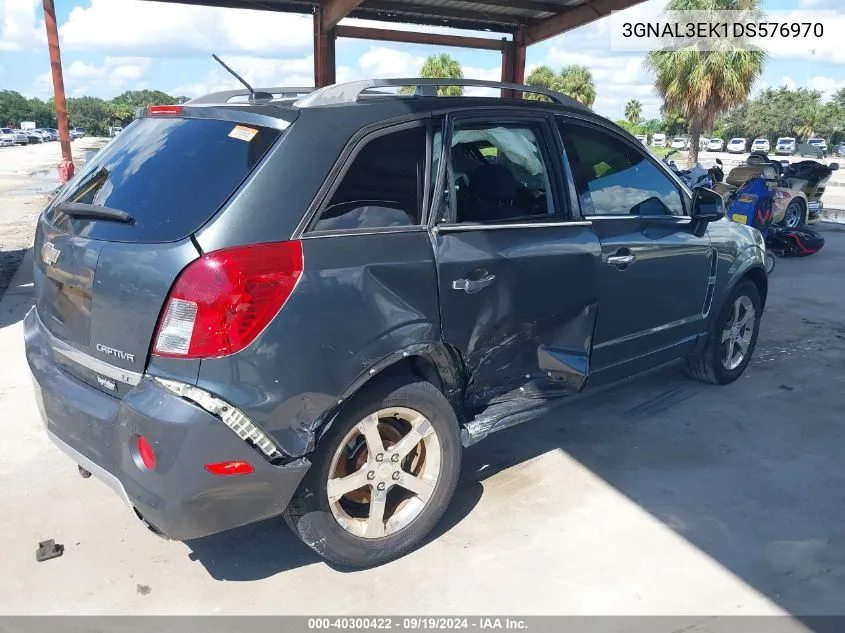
[[179, 499]]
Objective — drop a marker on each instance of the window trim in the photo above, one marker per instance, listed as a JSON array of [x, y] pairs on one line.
[[683, 191], [541, 122], [341, 167]]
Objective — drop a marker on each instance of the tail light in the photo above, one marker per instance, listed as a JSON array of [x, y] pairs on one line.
[[230, 468], [223, 300]]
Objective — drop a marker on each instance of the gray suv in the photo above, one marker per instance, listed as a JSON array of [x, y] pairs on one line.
[[307, 307]]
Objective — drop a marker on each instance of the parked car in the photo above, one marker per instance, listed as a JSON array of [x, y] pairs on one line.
[[679, 142], [48, 134], [760, 145], [7, 137], [737, 146], [114, 131], [819, 143], [658, 140], [642, 138], [839, 150], [785, 146], [21, 137], [715, 145], [76, 133], [225, 389]]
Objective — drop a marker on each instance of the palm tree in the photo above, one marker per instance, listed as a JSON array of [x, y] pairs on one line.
[[810, 118], [541, 77], [633, 111], [439, 67], [702, 84], [577, 82]]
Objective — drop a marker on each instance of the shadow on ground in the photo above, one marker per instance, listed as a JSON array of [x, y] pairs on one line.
[[17, 294], [268, 548]]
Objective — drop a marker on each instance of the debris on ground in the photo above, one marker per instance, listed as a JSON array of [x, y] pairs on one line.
[[48, 549]]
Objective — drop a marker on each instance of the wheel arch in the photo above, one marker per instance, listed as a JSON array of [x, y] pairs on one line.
[[434, 362]]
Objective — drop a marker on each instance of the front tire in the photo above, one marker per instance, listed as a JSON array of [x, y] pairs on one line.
[[732, 338], [381, 477], [770, 262]]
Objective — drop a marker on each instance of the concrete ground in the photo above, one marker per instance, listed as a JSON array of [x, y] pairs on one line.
[[661, 496]]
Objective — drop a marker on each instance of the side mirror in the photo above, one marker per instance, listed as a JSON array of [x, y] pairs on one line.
[[707, 206], [834, 166]]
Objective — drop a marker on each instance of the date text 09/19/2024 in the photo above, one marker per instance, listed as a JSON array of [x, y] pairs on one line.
[[417, 623]]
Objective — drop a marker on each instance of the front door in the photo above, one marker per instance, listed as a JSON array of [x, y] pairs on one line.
[[517, 276], [655, 270]]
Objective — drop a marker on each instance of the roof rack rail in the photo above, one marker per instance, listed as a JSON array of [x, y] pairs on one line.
[[351, 91], [224, 96]]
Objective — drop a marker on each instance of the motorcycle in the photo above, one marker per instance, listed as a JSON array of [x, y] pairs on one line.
[[797, 187], [694, 177]]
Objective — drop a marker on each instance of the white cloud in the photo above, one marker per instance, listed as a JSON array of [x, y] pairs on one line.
[[383, 61], [112, 76], [20, 29], [789, 83], [174, 29], [826, 85]]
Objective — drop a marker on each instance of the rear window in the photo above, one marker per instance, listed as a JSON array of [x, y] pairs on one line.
[[171, 175]]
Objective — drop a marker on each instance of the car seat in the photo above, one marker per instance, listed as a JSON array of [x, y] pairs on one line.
[[492, 191]]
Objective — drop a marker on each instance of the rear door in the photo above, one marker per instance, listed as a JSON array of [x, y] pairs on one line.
[[100, 282], [516, 270], [655, 271]]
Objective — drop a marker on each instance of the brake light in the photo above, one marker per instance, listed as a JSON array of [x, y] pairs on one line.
[[154, 110], [223, 300]]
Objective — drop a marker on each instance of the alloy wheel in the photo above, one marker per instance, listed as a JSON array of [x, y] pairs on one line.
[[736, 337], [384, 472], [792, 217]]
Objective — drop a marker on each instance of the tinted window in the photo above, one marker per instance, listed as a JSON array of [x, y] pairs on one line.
[[383, 187], [171, 175], [499, 174], [614, 178]]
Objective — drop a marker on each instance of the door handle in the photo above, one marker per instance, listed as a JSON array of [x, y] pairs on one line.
[[621, 260], [471, 286]]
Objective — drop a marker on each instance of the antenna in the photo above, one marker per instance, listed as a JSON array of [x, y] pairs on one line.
[[253, 96]]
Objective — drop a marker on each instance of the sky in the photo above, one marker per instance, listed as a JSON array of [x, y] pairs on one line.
[[109, 46]]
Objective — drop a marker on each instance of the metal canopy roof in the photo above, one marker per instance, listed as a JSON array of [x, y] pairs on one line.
[[541, 18]]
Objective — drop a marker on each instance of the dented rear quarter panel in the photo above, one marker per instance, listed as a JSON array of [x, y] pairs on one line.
[[362, 299]]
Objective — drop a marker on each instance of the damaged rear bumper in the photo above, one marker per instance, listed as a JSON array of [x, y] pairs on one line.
[[179, 499]]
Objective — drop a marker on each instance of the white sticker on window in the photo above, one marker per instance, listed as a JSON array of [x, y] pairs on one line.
[[243, 133]]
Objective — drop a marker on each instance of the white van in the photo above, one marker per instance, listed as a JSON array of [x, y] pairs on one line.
[[658, 140]]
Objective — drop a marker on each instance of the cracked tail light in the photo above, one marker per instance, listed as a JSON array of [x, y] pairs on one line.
[[232, 417], [223, 300]]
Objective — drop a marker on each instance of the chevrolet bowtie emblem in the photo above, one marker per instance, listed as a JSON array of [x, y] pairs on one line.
[[50, 254]]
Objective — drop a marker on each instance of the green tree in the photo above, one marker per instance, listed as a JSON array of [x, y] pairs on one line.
[[633, 111], [577, 82], [439, 67], [144, 98], [541, 77], [702, 84], [89, 113], [839, 98], [14, 108]]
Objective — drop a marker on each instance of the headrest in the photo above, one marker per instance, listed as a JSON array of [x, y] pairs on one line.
[[492, 182]]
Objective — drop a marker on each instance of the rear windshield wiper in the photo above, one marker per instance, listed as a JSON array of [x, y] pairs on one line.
[[84, 210]]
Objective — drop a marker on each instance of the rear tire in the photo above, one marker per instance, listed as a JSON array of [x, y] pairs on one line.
[[343, 528], [794, 215], [732, 338], [770, 262]]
